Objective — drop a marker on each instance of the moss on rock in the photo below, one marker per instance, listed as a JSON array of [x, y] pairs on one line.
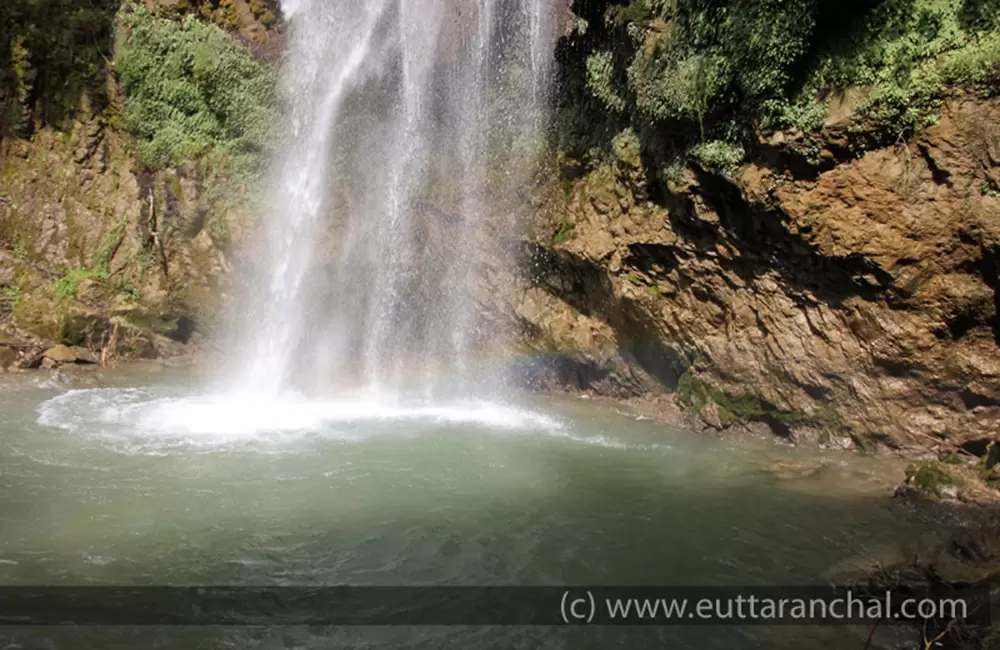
[[932, 477]]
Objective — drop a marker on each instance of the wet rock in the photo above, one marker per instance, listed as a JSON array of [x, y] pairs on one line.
[[60, 354], [712, 416], [84, 355], [992, 458], [79, 376], [948, 492]]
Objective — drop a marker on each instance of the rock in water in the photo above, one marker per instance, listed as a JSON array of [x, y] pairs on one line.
[[60, 354], [84, 355], [8, 357], [65, 354]]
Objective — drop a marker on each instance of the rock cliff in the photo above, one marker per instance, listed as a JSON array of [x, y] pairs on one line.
[[102, 246], [794, 227], [857, 296]]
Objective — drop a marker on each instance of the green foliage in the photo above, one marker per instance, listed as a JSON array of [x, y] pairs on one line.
[[692, 75], [130, 292], [66, 287], [12, 294], [930, 476], [719, 156], [563, 234], [16, 88], [192, 89], [905, 52], [694, 392], [627, 148], [600, 80], [973, 64], [686, 90], [674, 175], [102, 259], [637, 11]]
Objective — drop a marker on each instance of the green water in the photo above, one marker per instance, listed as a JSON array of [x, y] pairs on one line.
[[108, 490]]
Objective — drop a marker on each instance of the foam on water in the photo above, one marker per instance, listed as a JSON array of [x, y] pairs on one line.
[[210, 420]]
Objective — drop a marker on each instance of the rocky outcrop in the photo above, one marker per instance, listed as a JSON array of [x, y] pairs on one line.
[[813, 289], [94, 250], [98, 251]]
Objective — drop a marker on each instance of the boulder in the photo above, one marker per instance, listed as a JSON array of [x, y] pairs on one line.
[[8, 357], [60, 354], [66, 354], [85, 355]]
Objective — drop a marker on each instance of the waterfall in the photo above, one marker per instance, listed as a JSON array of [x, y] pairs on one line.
[[412, 127]]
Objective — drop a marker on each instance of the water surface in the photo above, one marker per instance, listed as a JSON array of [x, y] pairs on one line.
[[145, 481]]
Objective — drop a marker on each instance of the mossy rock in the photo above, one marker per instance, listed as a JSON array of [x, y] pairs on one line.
[[992, 458], [931, 477]]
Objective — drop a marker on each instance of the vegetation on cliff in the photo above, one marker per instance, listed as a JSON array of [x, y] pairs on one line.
[[783, 211], [192, 89], [131, 135], [707, 79], [54, 55]]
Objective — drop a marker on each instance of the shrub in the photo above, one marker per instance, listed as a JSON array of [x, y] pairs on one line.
[[719, 156], [695, 72], [65, 288], [600, 80], [191, 89], [930, 477]]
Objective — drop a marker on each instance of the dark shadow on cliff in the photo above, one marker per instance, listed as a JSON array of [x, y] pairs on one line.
[[54, 61], [765, 244], [591, 292]]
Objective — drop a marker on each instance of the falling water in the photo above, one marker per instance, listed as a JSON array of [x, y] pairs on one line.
[[412, 127]]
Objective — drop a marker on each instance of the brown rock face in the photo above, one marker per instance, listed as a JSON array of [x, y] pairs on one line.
[[91, 245], [60, 354], [8, 357], [66, 354], [860, 294]]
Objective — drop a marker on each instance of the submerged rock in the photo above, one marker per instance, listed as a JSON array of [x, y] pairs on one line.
[[791, 470]]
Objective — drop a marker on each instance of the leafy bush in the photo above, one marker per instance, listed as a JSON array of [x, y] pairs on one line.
[[600, 80], [931, 477], [688, 73], [191, 88], [719, 156], [65, 288]]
